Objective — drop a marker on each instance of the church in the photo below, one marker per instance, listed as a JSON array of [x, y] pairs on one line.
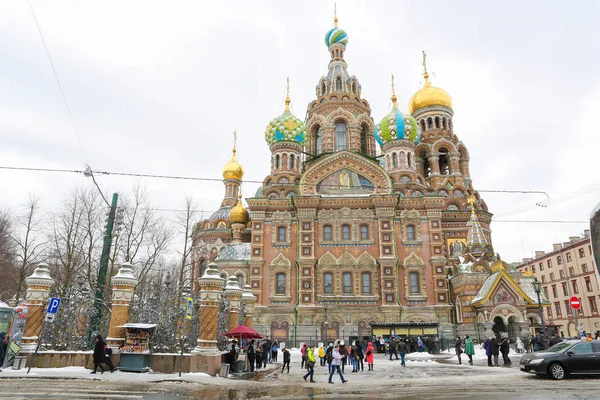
[[365, 226]]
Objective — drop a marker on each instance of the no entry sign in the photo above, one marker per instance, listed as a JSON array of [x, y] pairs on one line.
[[575, 303]]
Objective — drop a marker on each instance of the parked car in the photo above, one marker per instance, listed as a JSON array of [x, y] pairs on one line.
[[563, 359]]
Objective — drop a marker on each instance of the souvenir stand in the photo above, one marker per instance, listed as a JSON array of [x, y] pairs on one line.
[[135, 353]]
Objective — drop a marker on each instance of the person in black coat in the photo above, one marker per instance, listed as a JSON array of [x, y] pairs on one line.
[[100, 356], [458, 348], [504, 349], [251, 354], [495, 350], [286, 359], [361, 356]]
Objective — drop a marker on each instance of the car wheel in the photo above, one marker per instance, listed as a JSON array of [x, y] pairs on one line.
[[557, 371]]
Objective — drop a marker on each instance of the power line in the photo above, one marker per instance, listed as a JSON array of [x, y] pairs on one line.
[[543, 221]]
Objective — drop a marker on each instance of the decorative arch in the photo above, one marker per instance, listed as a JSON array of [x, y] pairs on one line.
[[327, 259], [366, 260], [443, 143], [512, 311], [280, 264], [414, 264], [347, 260], [341, 114], [533, 317]]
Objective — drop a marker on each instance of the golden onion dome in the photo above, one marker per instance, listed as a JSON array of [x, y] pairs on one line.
[[233, 169], [238, 214], [429, 96]]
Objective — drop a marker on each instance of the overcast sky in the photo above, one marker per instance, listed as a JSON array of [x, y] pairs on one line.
[[159, 87]]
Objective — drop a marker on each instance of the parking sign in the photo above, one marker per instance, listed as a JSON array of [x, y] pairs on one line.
[[53, 305]]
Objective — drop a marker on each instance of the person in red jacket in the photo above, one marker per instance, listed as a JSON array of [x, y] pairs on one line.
[[369, 356]]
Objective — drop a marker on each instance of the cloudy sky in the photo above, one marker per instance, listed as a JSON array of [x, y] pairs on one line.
[[159, 87]]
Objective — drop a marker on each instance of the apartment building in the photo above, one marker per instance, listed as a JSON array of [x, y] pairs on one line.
[[568, 270]]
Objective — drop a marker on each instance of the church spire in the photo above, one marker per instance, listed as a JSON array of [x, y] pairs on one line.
[[475, 236]]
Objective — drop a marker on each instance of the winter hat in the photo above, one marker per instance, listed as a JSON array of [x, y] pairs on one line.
[[330, 344], [342, 343]]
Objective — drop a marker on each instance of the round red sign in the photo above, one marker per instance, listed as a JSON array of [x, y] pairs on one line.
[[575, 303]]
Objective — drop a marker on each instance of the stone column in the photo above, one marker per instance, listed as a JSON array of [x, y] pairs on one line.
[[124, 283], [38, 292], [237, 230], [488, 332], [524, 330], [434, 163], [249, 300], [233, 293], [211, 287]]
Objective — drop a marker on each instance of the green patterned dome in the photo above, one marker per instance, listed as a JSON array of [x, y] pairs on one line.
[[397, 125], [286, 127]]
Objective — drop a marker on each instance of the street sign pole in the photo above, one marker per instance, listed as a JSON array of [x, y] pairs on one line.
[[575, 306]]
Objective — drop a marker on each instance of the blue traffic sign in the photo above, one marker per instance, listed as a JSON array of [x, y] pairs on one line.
[[53, 305]]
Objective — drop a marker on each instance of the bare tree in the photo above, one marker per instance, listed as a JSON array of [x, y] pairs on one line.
[[28, 241], [184, 220], [8, 269]]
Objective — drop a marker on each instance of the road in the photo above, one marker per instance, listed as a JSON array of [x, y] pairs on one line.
[[418, 380]]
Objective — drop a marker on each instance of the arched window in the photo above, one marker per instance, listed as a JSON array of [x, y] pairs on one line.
[[363, 139], [323, 89], [354, 87], [444, 124], [394, 160], [364, 232], [366, 283], [387, 159], [414, 283], [338, 84], [328, 283], [422, 125], [340, 136], [280, 283], [437, 122], [318, 141], [281, 234], [327, 233], [292, 161], [347, 282], [443, 161], [410, 232], [345, 232], [409, 158], [240, 279], [277, 161], [429, 123]]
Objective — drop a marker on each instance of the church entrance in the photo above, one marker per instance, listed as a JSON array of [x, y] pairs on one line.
[[499, 326]]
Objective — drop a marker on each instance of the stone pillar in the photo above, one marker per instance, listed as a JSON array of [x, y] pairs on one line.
[[524, 330], [38, 292], [211, 287], [237, 230], [233, 293], [123, 283], [249, 300], [434, 163], [488, 332]]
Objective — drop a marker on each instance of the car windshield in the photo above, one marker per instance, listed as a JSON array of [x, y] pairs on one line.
[[559, 347]]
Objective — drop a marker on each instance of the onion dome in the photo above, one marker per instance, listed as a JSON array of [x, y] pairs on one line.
[[429, 95], [238, 214], [336, 34], [286, 127], [233, 169], [397, 125]]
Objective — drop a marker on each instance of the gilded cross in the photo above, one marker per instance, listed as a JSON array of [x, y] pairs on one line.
[[424, 62]]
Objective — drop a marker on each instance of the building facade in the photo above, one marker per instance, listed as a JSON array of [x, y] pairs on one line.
[[568, 270], [359, 222]]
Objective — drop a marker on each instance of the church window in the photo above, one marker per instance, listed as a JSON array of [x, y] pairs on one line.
[[323, 90], [327, 234], [345, 232], [394, 160], [318, 140], [292, 161], [410, 232], [280, 282], [347, 279], [364, 232], [414, 283], [429, 123], [328, 283], [444, 124], [409, 158], [423, 125], [277, 161], [366, 283], [240, 279], [437, 122], [281, 234], [443, 162], [338, 84], [340, 136], [363, 139]]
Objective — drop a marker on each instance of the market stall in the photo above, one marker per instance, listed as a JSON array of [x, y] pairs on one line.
[[135, 353]]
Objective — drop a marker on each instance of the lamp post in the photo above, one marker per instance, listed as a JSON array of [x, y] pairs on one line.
[[537, 286], [326, 333]]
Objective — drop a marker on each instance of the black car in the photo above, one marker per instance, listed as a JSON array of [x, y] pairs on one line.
[[564, 358]]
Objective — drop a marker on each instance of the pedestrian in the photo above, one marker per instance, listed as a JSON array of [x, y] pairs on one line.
[[487, 345], [360, 365], [251, 354], [310, 362], [303, 353], [469, 348], [458, 348], [370, 356], [555, 340], [2, 351], [321, 355], [329, 356], [381, 344], [286, 359], [520, 346], [259, 356], [100, 356], [266, 345], [495, 350], [402, 348], [504, 349], [337, 357], [393, 349], [420, 344], [274, 350], [352, 356], [232, 355]]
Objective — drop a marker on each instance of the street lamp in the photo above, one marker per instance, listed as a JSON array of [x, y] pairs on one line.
[[326, 333], [537, 286]]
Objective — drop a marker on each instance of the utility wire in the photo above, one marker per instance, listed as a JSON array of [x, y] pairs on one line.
[[62, 93]]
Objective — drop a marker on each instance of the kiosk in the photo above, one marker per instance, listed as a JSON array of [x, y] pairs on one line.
[[135, 353]]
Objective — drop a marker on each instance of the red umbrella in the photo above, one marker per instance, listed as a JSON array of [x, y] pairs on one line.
[[243, 332]]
